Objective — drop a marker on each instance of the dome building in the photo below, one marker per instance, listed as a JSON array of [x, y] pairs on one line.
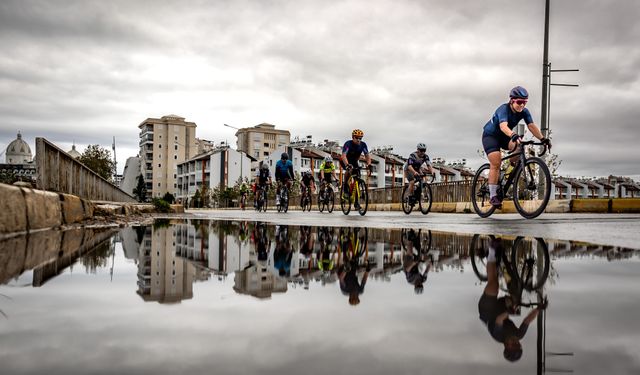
[[18, 152], [73, 152]]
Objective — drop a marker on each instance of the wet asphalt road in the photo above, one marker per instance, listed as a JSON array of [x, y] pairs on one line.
[[605, 229]]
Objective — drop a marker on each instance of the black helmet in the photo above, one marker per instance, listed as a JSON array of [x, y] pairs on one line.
[[519, 92], [284, 156]]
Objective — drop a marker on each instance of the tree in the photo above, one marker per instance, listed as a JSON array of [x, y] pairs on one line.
[[169, 198], [140, 191], [99, 160]]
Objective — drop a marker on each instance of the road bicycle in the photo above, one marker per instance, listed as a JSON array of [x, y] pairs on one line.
[[422, 195], [261, 198], [524, 266], [326, 197], [282, 204], [243, 200], [305, 199], [352, 245], [417, 241], [354, 192], [530, 178]]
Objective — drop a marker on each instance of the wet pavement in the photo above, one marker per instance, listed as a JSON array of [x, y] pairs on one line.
[[244, 297]]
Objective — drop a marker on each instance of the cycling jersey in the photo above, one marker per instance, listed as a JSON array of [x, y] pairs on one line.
[[284, 169], [416, 161], [263, 175], [306, 179], [504, 113], [353, 151], [327, 167]]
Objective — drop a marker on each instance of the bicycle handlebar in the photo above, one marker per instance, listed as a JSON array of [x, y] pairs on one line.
[[533, 143]]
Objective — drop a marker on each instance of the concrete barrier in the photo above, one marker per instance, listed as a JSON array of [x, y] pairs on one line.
[[590, 205], [43, 209], [625, 205], [13, 209]]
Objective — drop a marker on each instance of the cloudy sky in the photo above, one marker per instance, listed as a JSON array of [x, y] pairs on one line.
[[403, 71]]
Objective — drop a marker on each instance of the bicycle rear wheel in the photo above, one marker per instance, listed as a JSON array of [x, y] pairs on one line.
[[285, 200], [406, 206], [363, 197], [531, 262], [345, 200], [480, 192], [532, 188], [478, 255], [425, 198]]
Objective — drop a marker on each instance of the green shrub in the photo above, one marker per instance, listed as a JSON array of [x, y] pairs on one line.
[[161, 205]]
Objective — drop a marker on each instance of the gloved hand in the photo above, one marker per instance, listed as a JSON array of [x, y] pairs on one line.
[[547, 142], [515, 137]]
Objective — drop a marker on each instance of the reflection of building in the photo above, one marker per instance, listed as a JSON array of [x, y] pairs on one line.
[[258, 281], [163, 276], [164, 143]]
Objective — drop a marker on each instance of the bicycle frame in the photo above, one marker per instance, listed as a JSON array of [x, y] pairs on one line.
[[522, 159]]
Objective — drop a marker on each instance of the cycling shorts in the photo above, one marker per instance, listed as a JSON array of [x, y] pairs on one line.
[[492, 143], [327, 178]]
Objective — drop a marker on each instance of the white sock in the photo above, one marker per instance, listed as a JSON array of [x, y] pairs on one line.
[[493, 190], [492, 255]]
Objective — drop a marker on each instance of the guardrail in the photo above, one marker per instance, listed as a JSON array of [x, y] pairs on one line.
[[60, 172]]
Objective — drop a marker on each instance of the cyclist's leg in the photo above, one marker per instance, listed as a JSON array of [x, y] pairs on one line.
[[492, 286]]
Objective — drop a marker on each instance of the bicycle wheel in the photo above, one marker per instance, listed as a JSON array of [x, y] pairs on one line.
[[480, 192], [345, 200], [363, 197], [285, 200], [425, 241], [330, 200], [425, 199], [478, 256], [406, 206], [322, 204], [531, 262], [532, 188], [265, 201]]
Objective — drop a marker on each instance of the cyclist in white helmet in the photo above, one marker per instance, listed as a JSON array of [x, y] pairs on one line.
[[418, 161]]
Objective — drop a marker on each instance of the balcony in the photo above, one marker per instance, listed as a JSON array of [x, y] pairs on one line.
[[146, 139]]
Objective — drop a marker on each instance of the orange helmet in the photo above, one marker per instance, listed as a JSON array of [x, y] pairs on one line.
[[357, 133]]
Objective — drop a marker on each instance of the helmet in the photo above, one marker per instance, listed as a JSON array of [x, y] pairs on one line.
[[357, 133], [264, 166], [519, 92], [305, 171], [328, 159], [421, 146], [284, 156]]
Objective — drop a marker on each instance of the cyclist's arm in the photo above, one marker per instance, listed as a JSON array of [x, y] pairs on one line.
[[533, 128], [343, 158], [367, 158], [504, 127], [531, 316], [501, 318]]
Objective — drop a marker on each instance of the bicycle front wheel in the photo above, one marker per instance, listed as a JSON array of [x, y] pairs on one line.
[[406, 205], [532, 188], [531, 262], [322, 197], [425, 199], [330, 200], [363, 197], [480, 192], [285, 200], [345, 200]]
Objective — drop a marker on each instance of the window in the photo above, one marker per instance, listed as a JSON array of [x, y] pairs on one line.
[[159, 146], [176, 137], [266, 144], [175, 157], [159, 165], [266, 153]]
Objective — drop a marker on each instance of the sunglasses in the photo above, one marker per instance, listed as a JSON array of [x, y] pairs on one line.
[[520, 101], [358, 138], [422, 149]]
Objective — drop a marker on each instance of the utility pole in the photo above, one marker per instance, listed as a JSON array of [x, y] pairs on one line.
[[115, 162]]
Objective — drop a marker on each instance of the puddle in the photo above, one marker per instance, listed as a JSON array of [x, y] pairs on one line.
[[195, 296]]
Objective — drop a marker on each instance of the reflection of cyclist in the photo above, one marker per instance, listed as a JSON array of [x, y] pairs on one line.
[[284, 173], [414, 264], [348, 272], [494, 311], [307, 241], [498, 134], [261, 241], [283, 253]]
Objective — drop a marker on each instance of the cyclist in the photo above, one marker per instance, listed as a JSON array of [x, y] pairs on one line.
[[327, 172], [351, 152], [244, 190], [284, 174], [283, 252], [263, 180], [414, 264], [494, 311], [498, 134], [416, 163], [261, 241], [307, 181]]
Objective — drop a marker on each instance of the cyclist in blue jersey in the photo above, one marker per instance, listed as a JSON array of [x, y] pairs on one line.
[[499, 134], [284, 173], [417, 163], [351, 152]]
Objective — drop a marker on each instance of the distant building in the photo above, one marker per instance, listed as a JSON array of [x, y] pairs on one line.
[[132, 169], [164, 143], [222, 166], [261, 140], [18, 152], [73, 152]]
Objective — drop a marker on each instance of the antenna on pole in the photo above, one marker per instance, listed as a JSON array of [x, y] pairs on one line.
[[115, 162]]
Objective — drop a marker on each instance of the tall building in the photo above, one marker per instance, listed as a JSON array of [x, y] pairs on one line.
[[261, 140], [164, 143]]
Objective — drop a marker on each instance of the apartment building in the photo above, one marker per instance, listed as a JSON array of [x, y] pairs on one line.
[[261, 140], [164, 143]]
